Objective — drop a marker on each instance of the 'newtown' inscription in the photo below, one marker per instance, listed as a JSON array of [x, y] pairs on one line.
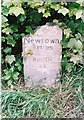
[[40, 40]]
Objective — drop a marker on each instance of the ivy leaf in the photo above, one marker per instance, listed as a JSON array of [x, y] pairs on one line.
[[67, 32], [16, 11], [63, 10], [5, 10], [79, 14], [80, 2], [9, 59], [29, 29], [15, 75], [7, 30], [7, 50], [55, 6], [22, 18], [71, 43], [72, 25], [7, 3], [76, 58], [16, 36], [47, 14], [75, 43], [22, 34], [35, 3], [41, 10], [7, 74], [69, 67], [11, 41], [4, 25], [14, 28], [78, 36], [78, 45], [4, 19], [9, 82], [19, 66], [80, 27], [3, 39], [57, 22]]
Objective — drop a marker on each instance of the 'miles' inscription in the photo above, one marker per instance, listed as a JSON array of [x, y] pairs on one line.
[[42, 56]]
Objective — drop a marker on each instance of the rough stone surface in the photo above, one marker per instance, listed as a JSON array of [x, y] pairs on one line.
[[42, 56]]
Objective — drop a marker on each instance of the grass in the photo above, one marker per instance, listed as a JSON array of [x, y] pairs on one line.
[[63, 101]]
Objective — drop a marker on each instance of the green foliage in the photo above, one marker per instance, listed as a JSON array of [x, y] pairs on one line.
[[9, 59], [63, 10], [22, 17], [29, 29], [16, 11], [12, 74]]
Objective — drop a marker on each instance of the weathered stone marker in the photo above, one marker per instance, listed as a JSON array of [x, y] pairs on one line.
[[42, 56]]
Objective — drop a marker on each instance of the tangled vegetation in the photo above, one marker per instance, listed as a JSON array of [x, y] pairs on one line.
[[63, 101], [22, 17]]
